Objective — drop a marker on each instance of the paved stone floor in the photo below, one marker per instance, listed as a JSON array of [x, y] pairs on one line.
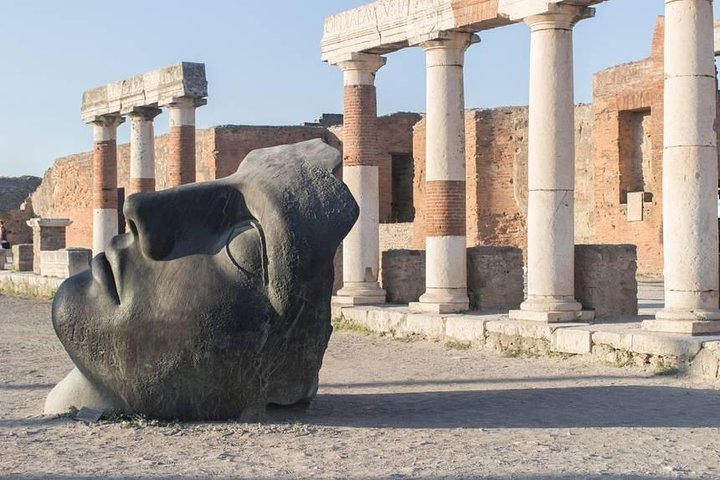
[[386, 409]]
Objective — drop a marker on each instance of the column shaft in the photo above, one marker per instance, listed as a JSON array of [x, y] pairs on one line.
[[445, 242], [690, 172], [361, 256], [104, 192], [142, 151], [181, 163], [551, 171]]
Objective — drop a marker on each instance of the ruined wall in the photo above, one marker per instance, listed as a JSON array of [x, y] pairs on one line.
[[65, 191], [14, 210], [394, 137], [232, 143], [627, 144], [496, 173]]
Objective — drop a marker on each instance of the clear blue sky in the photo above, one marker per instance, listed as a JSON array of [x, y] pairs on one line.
[[262, 62]]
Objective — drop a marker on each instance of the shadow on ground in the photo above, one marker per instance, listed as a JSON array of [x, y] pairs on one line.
[[573, 407]]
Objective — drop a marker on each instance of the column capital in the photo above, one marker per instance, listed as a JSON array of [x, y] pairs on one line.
[[107, 121], [144, 113], [559, 17], [185, 102], [447, 40], [360, 68]]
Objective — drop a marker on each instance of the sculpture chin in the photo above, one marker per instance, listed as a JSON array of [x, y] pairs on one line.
[[217, 303]]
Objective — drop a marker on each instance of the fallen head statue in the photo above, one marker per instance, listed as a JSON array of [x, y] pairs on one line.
[[217, 301]]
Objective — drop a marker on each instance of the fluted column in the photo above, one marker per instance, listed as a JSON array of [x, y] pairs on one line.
[[142, 150], [445, 241], [361, 257], [690, 173], [551, 169], [104, 192], [181, 162]]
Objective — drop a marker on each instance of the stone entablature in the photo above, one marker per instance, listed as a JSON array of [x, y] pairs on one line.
[[385, 26], [156, 88]]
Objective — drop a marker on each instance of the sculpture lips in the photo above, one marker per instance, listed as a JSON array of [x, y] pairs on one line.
[[103, 274]]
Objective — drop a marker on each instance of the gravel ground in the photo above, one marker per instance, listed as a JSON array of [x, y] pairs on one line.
[[386, 408]]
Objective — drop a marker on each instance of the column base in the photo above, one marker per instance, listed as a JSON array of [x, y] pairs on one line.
[[442, 301], [552, 309], [359, 294], [583, 316], [687, 322]]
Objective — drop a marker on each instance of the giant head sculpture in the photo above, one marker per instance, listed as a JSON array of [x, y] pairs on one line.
[[217, 301]]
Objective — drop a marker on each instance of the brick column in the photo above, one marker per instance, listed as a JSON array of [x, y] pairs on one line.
[[445, 242], [690, 173], [181, 162], [361, 257], [142, 150], [48, 235], [551, 169], [104, 193]]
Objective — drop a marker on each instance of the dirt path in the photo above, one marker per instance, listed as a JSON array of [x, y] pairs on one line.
[[385, 409]]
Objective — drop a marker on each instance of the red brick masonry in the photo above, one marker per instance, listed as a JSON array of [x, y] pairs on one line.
[[105, 174], [181, 164], [445, 208], [138, 185], [360, 126]]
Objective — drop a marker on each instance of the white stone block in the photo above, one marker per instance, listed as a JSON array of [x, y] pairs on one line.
[[465, 327], [635, 206], [424, 324], [571, 340], [386, 319]]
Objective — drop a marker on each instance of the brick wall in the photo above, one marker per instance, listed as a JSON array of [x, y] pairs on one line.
[[496, 173], [65, 191], [621, 95]]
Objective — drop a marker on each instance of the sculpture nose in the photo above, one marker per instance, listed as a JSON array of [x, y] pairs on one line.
[[183, 220]]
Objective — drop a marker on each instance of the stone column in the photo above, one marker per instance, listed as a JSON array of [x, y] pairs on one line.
[[551, 170], [48, 235], [690, 173], [105, 201], [445, 242], [361, 256], [142, 150], [181, 163]]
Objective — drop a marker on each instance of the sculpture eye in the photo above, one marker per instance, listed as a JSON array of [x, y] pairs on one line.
[[245, 247]]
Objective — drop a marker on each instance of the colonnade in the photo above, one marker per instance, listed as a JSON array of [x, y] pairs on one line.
[[690, 172], [180, 165]]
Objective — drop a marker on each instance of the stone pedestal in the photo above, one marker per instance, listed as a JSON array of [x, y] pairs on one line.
[[690, 173], [142, 150], [445, 243], [64, 263], [22, 254], [551, 170], [361, 256], [48, 234], [104, 192], [181, 162]]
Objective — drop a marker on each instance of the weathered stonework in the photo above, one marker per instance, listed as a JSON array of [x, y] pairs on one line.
[[48, 235], [64, 263], [605, 279], [22, 256], [156, 88]]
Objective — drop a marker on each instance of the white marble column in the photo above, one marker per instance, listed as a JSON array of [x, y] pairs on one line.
[[445, 232], [690, 173], [361, 256], [551, 170], [104, 192], [142, 150]]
